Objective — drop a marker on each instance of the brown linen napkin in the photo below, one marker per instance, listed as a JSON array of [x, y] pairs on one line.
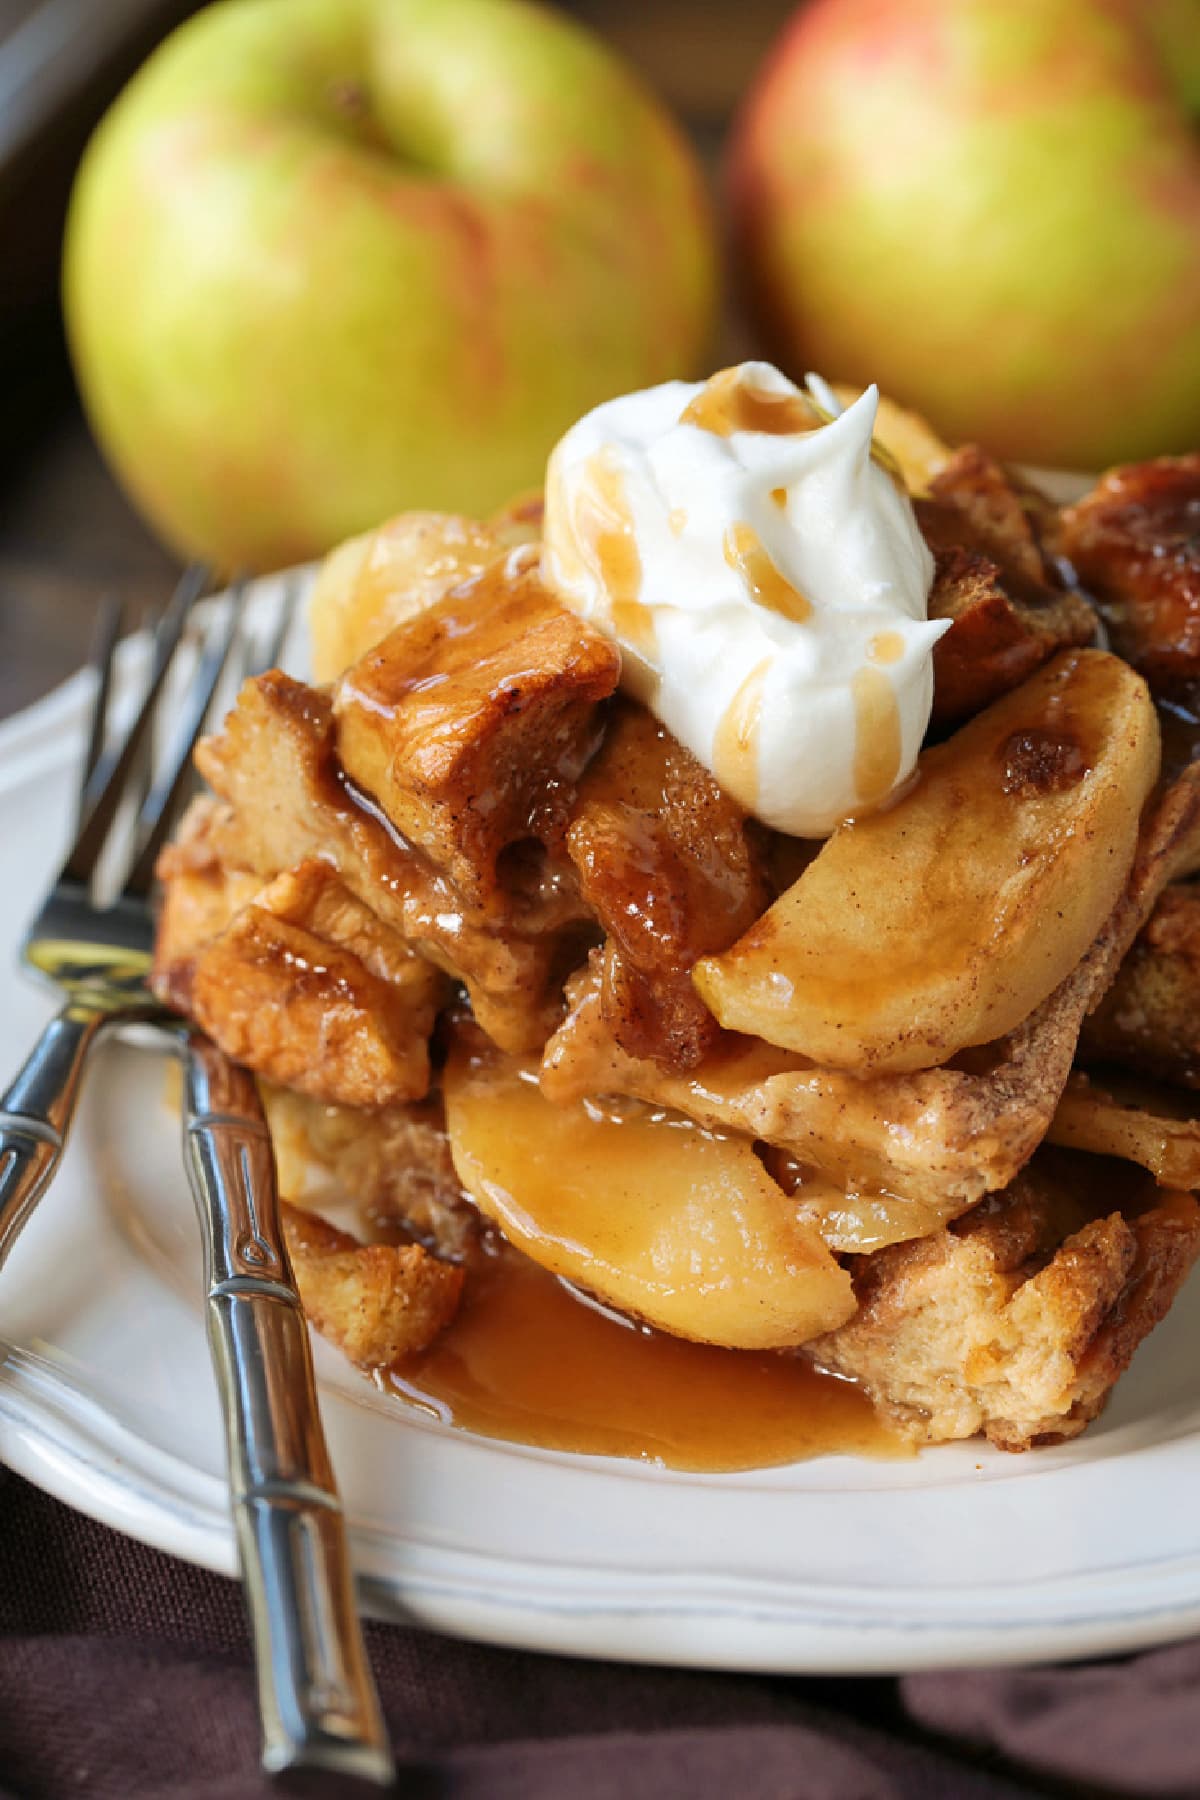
[[125, 1675], [1130, 1727]]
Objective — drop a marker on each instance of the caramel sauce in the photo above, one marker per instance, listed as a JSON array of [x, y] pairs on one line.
[[529, 1361], [604, 522], [745, 554], [780, 496], [886, 647], [878, 747], [1041, 762], [634, 625], [664, 1219], [433, 690], [726, 404], [735, 745]]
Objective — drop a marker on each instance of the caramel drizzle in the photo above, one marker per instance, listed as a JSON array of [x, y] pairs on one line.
[[877, 741], [886, 647], [745, 554], [735, 742], [604, 523], [726, 404]]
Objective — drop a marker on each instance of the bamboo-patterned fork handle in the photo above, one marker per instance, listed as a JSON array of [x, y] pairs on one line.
[[317, 1697]]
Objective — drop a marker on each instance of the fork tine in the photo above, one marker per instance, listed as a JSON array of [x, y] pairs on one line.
[[158, 811], [106, 756], [102, 807], [243, 661], [141, 774], [273, 648], [254, 657], [108, 632]]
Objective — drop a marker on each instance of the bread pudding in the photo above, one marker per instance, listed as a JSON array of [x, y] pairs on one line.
[[749, 888]]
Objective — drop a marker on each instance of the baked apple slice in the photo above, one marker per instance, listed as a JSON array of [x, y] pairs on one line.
[[944, 921], [673, 1225], [1133, 1120]]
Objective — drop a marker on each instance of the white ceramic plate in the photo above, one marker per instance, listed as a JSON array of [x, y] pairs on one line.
[[961, 1556]]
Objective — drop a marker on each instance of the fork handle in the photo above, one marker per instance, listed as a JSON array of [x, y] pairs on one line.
[[36, 1112], [317, 1699]]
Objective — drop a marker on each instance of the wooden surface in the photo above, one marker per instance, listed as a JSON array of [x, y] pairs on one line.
[[67, 535]]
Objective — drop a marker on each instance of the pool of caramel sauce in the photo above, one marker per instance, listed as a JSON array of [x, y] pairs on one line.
[[530, 1361]]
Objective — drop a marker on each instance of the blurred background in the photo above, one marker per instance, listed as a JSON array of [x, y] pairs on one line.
[[67, 533]]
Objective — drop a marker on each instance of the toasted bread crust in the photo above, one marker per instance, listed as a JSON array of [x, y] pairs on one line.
[[1134, 541], [377, 1302], [1010, 613], [470, 723], [201, 893], [294, 978], [310, 990], [1149, 1020], [392, 1166], [275, 766], [673, 869], [372, 583], [1017, 1320]]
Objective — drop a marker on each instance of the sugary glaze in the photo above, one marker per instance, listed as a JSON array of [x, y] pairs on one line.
[[663, 1219], [728, 404], [672, 1224], [745, 554], [530, 1361], [735, 743], [604, 524], [877, 756]]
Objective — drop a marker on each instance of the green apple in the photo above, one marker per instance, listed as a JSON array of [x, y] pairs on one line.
[[330, 259], [992, 208]]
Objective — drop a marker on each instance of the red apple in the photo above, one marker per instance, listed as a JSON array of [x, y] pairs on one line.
[[992, 208], [329, 259]]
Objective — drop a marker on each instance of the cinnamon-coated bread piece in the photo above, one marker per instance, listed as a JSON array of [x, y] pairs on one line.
[[1134, 542], [470, 724], [1016, 1320]]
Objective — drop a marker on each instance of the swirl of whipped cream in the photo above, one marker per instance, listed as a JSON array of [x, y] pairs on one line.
[[765, 579]]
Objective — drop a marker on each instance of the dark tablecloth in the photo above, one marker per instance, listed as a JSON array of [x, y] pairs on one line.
[[125, 1674]]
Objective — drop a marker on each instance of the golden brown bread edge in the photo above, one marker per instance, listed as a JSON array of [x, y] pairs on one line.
[[378, 1303], [1017, 1320]]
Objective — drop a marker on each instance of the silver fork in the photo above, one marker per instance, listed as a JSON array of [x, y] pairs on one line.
[[317, 1700]]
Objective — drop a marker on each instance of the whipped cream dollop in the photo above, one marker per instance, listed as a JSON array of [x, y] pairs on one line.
[[765, 579]]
